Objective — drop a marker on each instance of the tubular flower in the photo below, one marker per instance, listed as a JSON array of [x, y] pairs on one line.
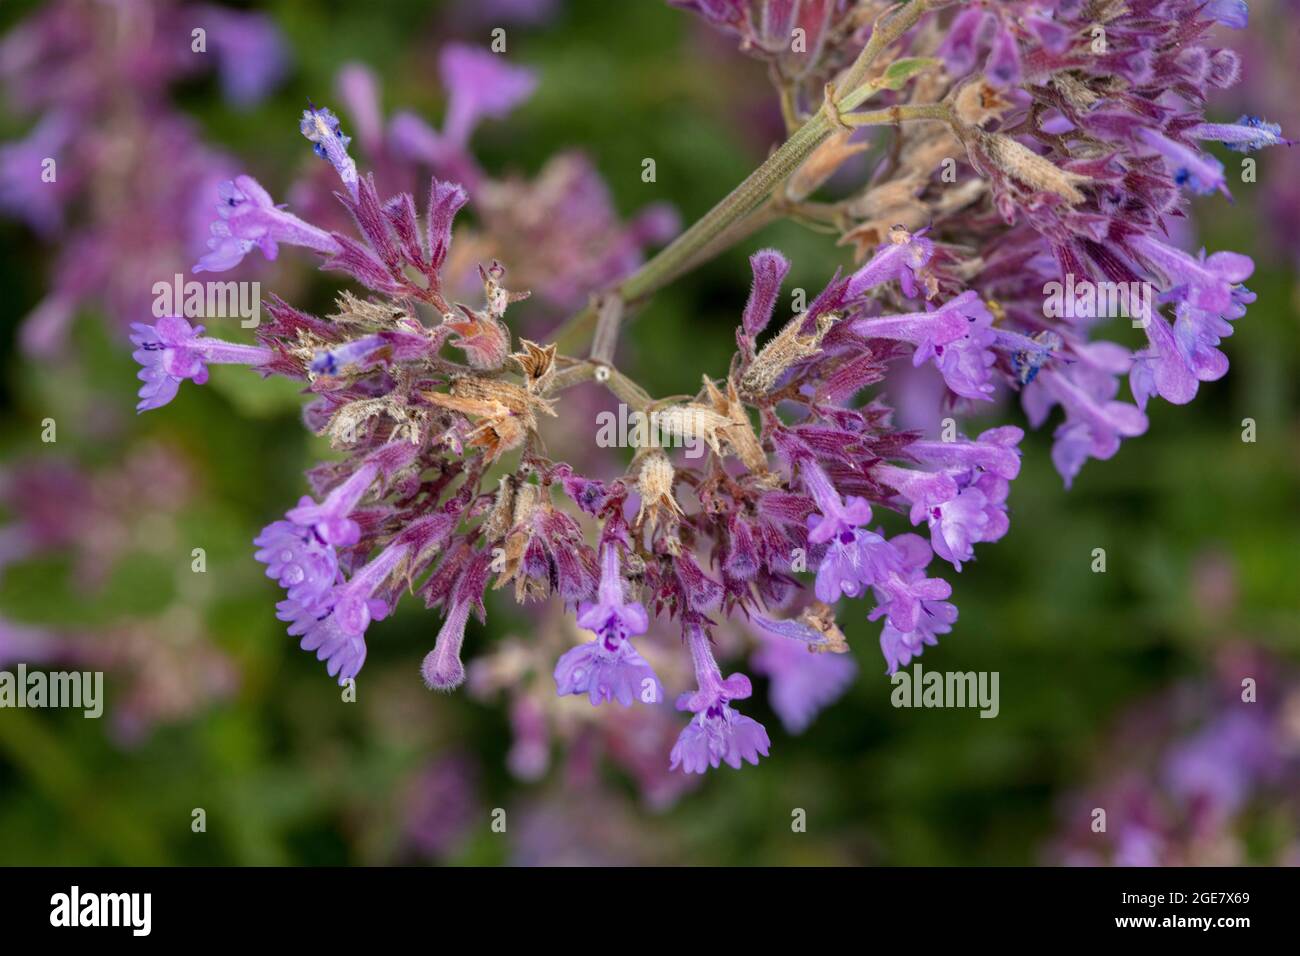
[[797, 490]]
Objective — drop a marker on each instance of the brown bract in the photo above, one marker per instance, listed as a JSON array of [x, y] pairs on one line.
[[821, 618], [786, 348], [537, 362], [506, 413], [739, 431], [655, 485]]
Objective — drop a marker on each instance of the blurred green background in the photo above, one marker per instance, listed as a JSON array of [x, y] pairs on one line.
[[287, 775]]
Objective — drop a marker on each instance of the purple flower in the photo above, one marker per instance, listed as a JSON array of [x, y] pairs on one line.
[[412, 138], [321, 127], [442, 668], [480, 85], [329, 613], [1206, 283], [24, 193], [964, 503], [251, 55], [358, 88], [1093, 424], [914, 606], [902, 590], [958, 336], [837, 515], [1219, 767], [354, 602], [1200, 172], [248, 217], [716, 733], [978, 513], [993, 451], [344, 653], [172, 350], [849, 562], [609, 668], [902, 258], [1231, 13], [1003, 64], [803, 682], [300, 562], [1198, 333], [329, 519], [358, 352], [1208, 295], [899, 647], [1246, 135], [925, 491], [959, 46]]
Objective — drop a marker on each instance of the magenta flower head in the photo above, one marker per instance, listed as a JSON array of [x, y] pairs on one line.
[[171, 351], [609, 668]]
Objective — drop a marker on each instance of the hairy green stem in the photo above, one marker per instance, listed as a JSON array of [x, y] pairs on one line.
[[686, 251]]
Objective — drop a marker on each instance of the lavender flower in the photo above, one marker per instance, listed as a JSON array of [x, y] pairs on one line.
[[848, 562], [609, 668], [172, 350], [1246, 135], [902, 259], [957, 337], [131, 169], [481, 85], [1198, 171], [321, 127], [442, 668], [803, 682], [717, 733], [248, 217], [251, 55], [801, 454], [1188, 772]]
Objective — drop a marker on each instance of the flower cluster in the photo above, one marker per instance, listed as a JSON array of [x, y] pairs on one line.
[[1070, 159], [1058, 142], [110, 168]]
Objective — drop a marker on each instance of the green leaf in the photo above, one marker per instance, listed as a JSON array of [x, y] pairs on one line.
[[900, 71]]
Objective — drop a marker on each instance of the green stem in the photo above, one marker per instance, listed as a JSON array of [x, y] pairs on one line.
[[904, 113], [684, 252]]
